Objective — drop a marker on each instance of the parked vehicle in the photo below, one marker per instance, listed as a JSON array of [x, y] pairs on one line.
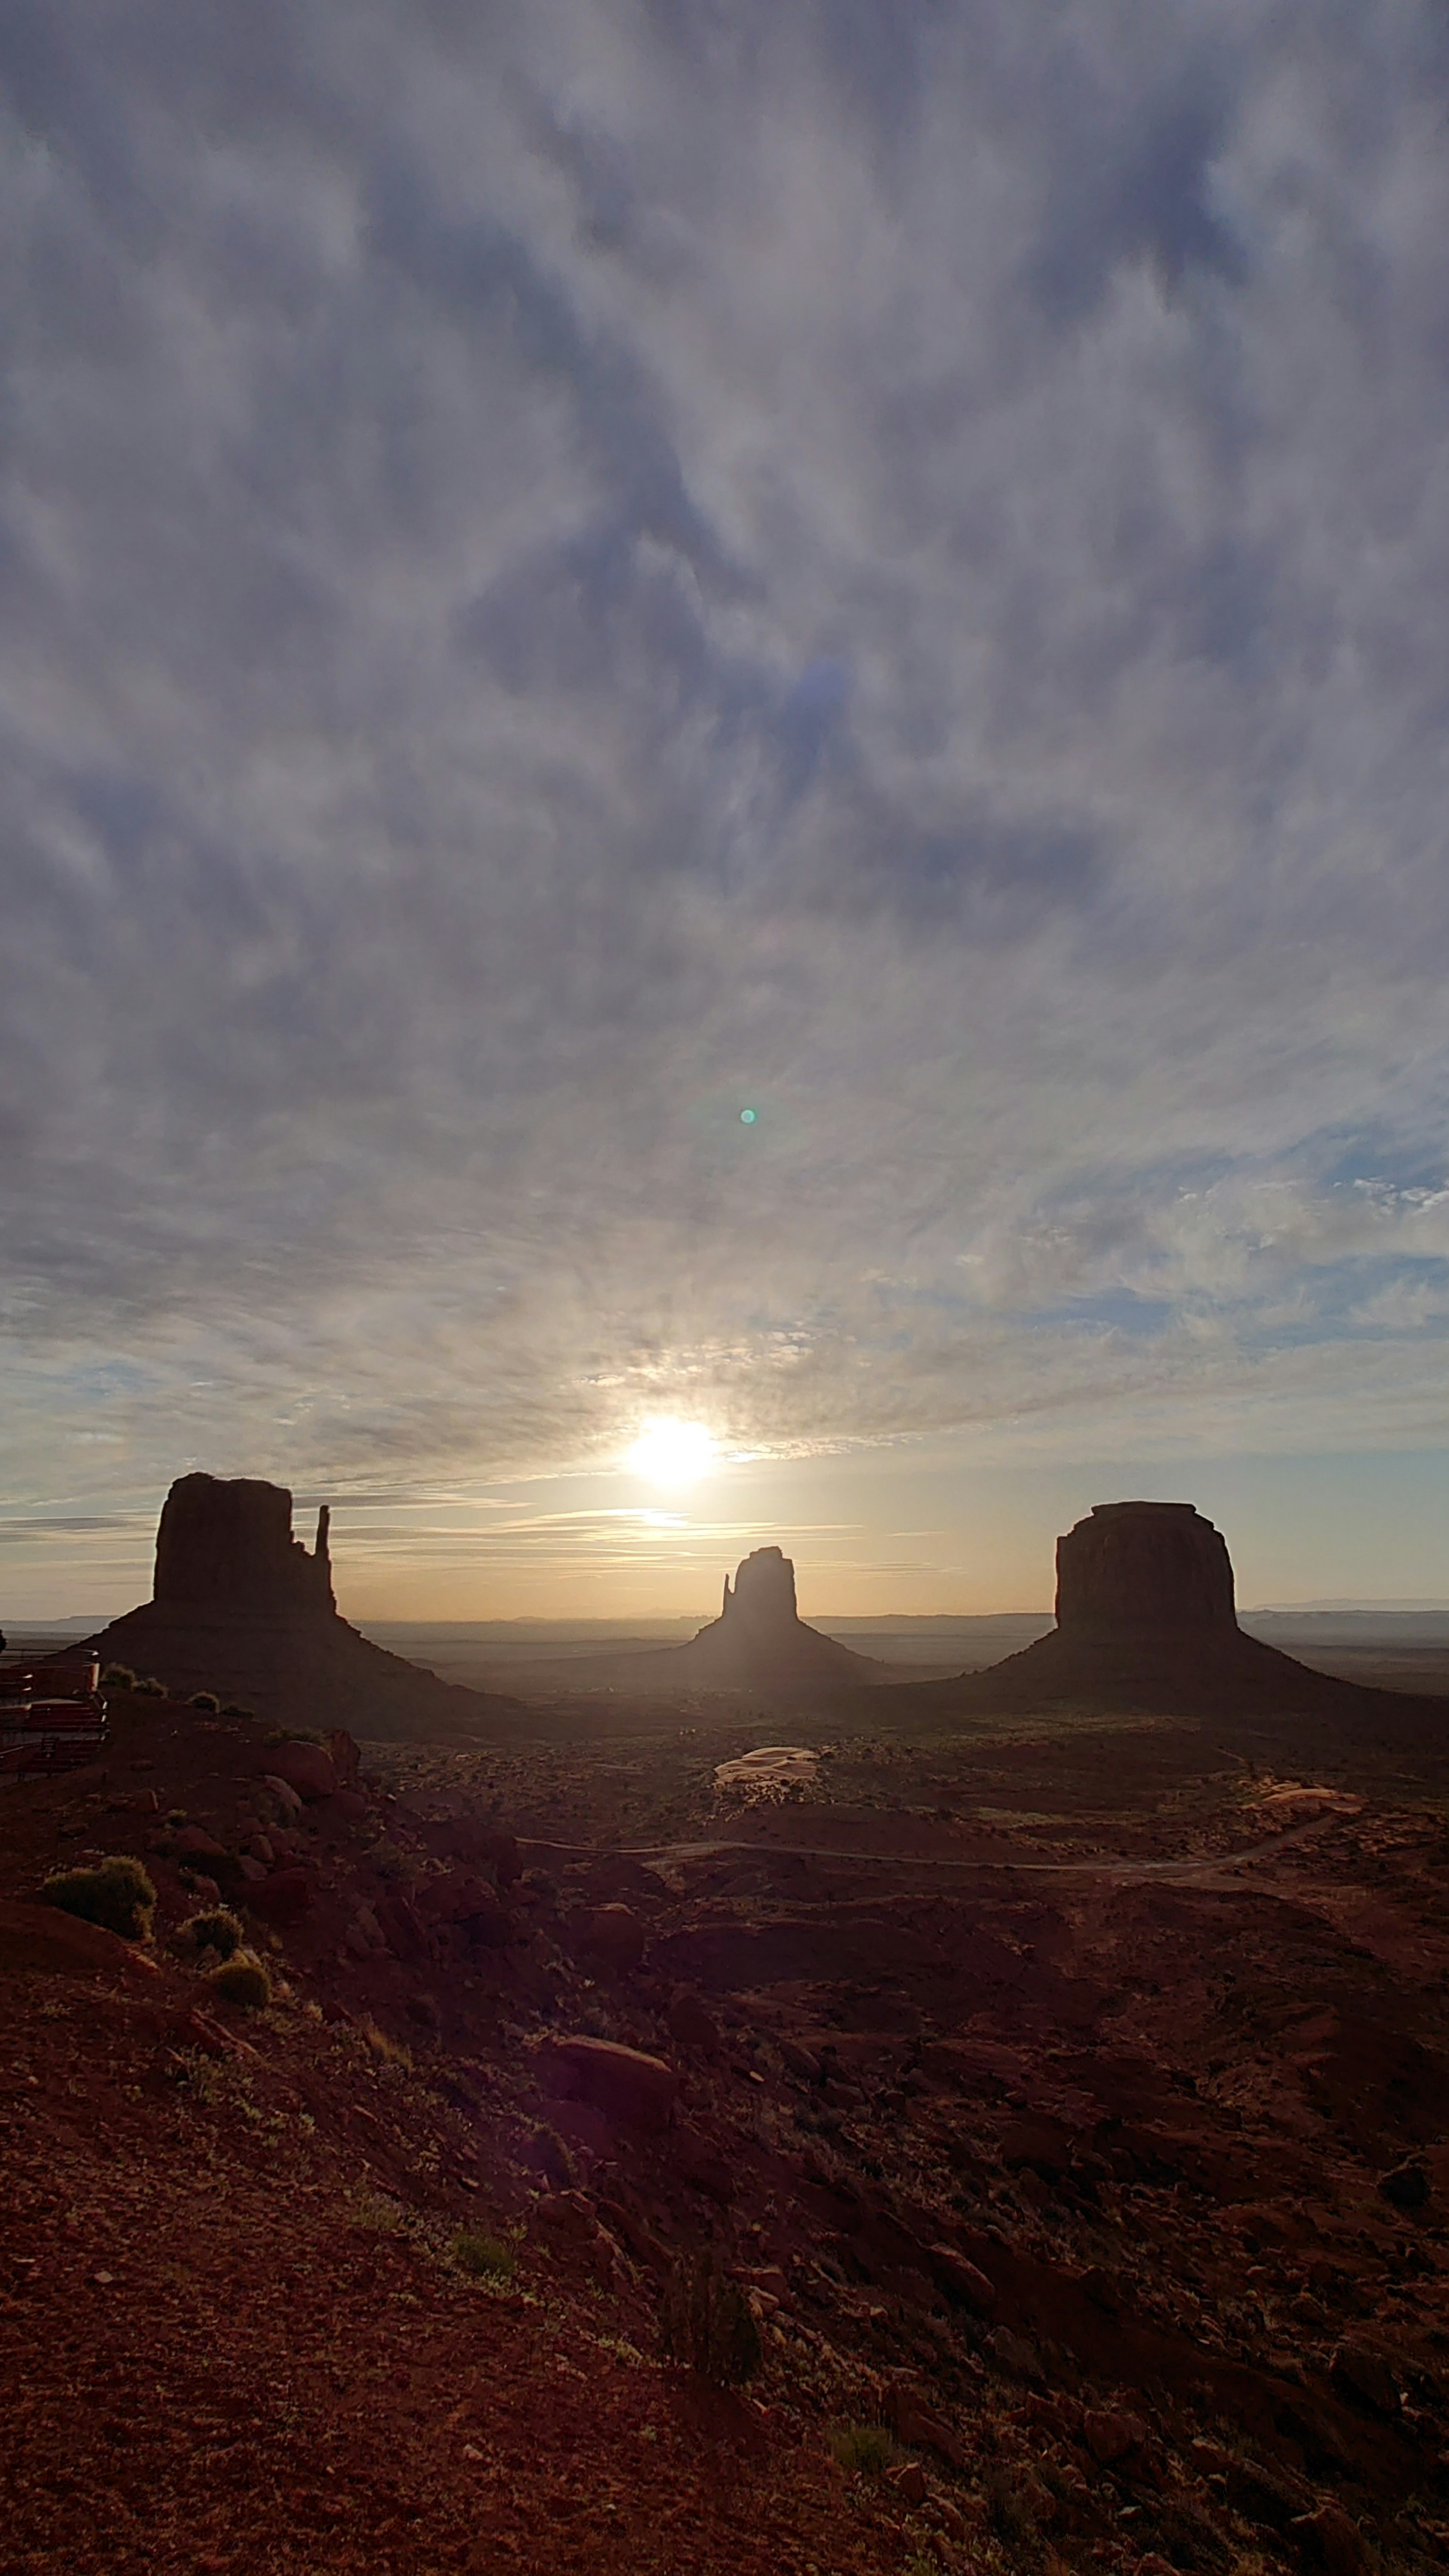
[[51, 1719]]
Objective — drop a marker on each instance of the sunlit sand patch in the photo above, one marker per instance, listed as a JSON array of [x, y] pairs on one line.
[[1295, 1802], [773, 1772]]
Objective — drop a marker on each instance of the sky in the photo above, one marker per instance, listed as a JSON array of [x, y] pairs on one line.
[[570, 574]]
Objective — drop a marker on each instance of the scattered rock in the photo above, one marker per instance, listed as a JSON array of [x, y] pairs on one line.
[[907, 2482]]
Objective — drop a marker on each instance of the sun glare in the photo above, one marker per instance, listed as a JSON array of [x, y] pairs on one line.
[[670, 1452]]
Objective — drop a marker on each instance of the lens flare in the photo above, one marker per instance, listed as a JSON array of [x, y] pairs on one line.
[[671, 1452]]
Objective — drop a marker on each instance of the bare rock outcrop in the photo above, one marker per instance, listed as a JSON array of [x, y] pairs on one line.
[[241, 1608]]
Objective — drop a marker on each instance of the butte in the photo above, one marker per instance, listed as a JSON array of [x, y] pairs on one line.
[[1147, 1624], [241, 1608]]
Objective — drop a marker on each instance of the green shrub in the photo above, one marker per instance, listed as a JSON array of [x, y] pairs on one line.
[[207, 1700], [118, 1677], [152, 1688], [242, 1979], [865, 2450], [117, 1894], [488, 2258], [216, 1928], [707, 2322]]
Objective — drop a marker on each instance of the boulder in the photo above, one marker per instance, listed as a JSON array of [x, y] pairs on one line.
[[1332, 2544], [304, 1768], [402, 1927], [40, 1940], [282, 1898], [1406, 2187], [1111, 2434], [346, 1757], [193, 1842], [344, 1810], [471, 1903], [1365, 2377], [692, 2027], [961, 2280], [611, 1940], [625, 2083], [284, 1793]]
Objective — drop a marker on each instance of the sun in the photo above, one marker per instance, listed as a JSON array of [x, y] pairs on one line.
[[671, 1452]]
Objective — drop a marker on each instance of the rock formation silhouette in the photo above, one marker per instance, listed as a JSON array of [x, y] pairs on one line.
[[226, 1543], [760, 1641], [240, 1607], [1147, 1624]]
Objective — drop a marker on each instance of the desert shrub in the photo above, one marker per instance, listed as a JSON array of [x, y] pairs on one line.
[[117, 1894], [216, 1928], [865, 2450], [152, 1688], [708, 2323], [487, 2258], [234, 1708], [118, 1677], [376, 2215], [542, 1884], [176, 1818], [242, 1979], [207, 1700], [388, 2052]]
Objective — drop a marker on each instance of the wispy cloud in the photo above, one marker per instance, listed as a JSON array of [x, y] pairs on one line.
[[562, 580]]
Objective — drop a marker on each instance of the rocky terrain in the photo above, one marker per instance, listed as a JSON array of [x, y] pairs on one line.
[[1089, 2201], [1018, 2144]]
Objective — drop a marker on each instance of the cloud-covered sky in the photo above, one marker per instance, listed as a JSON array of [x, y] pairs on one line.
[[567, 572]]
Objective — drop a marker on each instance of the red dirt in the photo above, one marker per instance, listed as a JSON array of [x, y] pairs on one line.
[[1074, 2182]]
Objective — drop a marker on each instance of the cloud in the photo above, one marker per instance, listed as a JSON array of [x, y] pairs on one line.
[[560, 580]]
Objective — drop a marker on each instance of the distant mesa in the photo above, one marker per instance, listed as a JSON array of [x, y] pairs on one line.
[[1147, 1623], [240, 1607], [760, 1640], [759, 1643]]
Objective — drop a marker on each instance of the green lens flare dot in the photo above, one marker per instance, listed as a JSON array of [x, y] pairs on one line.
[[747, 1117]]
